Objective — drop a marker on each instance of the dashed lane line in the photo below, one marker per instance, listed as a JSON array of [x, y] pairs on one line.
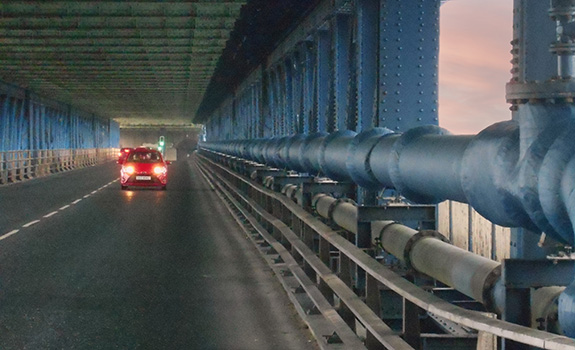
[[9, 234], [13, 232], [31, 223]]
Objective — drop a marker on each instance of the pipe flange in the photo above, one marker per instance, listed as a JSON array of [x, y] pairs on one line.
[[333, 205], [379, 239], [416, 237], [360, 151], [488, 285]]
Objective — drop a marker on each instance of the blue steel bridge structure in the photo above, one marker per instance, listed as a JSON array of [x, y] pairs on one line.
[[333, 103]]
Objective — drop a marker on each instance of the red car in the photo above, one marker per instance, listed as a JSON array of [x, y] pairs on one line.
[[123, 154], [144, 167]]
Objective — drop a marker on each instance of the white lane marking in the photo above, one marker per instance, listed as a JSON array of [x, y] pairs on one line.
[[9, 234], [13, 232], [31, 223]]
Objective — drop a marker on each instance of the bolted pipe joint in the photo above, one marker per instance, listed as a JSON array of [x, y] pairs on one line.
[[359, 154], [333, 155]]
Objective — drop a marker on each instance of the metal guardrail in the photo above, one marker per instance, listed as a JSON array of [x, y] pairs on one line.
[[16, 166], [292, 229]]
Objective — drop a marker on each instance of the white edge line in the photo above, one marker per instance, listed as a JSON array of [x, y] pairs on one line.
[[86, 196], [9, 234], [76, 201], [65, 207], [52, 213], [93, 192], [31, 223]]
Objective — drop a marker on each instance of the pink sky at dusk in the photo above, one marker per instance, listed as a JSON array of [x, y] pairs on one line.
[[474, 63]]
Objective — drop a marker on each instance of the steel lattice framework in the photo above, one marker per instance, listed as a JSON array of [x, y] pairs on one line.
[[133, 61]]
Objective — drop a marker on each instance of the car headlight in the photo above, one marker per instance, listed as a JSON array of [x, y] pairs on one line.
[[159, 170], [129, 170]]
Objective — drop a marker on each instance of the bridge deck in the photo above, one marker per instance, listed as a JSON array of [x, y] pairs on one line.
[[133, 269]]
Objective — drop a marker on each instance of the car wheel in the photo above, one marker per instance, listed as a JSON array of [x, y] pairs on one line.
[[124, 188]]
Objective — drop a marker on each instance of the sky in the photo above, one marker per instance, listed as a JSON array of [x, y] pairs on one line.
[[474, 63]]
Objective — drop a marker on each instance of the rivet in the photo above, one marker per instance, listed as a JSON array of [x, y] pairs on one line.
[[399, 118], [419, 119], [397, 128], [397, 110]]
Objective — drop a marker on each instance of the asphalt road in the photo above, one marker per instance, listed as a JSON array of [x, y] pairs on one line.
[[84, 265]]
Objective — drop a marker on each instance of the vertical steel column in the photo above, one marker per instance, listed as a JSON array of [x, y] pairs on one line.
[[289, 96], [342, 41], [367, 12], [308, 88], [5, 120], [297, 91], [323, 77], [408, 52], [266, 106]]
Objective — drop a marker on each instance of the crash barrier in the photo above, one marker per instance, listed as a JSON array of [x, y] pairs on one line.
[[314, 244], [16, 166]]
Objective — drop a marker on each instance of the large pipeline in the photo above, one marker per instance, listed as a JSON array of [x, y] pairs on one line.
[[428, 165], [532, 186]]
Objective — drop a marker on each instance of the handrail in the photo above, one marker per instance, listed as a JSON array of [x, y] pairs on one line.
[[424, 300], [16, 166]]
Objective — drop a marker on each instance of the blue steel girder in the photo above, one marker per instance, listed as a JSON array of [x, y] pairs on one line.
[[367, 12], [297, 88], [408, 65], [289, 96], [342, 59], [308, 90], [323, 78]]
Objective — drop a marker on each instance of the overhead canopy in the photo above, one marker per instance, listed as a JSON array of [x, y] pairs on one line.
[[261, 25], [133, 61]]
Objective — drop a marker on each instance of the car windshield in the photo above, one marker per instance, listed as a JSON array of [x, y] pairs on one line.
[[144, 157]]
